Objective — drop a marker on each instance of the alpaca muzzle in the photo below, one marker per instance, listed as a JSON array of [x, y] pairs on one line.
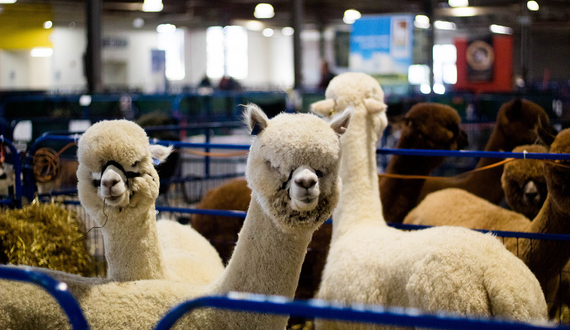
[[127, 174]]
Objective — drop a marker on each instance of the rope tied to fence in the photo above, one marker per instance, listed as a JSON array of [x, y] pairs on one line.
[[46, 162]]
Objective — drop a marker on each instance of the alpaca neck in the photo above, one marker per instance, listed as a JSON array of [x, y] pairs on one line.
[[545, 258], [266, 260], [133, 253], [359, 199]]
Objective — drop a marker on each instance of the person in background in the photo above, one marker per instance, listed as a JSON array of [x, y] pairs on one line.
[[326, 75]]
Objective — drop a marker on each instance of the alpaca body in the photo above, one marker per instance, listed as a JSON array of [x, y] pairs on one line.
[[449, 269], [518, 122], [284, 212]]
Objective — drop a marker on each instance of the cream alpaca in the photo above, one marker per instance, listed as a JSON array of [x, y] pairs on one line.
[[544, 257], [292, 170], [446, 268], [118, 186]]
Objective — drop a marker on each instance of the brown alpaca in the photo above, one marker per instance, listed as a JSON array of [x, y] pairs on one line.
[[222, 231], [545, 258], [519, 122], [523, 182], [427, 126]]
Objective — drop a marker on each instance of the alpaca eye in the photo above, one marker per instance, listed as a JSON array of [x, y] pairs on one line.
[[135, 163], [319, 173]]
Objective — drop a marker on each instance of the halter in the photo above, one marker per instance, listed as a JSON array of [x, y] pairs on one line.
[[128, 175]]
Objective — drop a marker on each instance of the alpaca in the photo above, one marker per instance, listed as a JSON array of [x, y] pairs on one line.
[[426, 126], [519, 122], [446, 268], [545, 258], [292, 169], [523, 182], [118, 186]]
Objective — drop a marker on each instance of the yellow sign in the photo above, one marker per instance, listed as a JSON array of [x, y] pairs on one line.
[[21, 26]]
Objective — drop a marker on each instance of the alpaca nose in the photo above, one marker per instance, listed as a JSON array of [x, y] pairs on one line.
[[306, 182], [109, 183]]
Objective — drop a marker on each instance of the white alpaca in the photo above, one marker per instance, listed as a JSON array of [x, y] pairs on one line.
[[446, 268], [292, 170], [118, 186]]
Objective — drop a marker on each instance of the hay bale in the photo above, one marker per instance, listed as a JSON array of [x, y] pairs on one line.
[[45, 235]]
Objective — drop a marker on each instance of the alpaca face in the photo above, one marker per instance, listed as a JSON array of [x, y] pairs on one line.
[[524, 122], [116, 171], [292, 168]]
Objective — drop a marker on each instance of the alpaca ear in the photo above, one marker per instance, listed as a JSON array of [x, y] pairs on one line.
[[255, 118], [323, 108], [515, 111], [159, 153], [340, 123], [374, 106]]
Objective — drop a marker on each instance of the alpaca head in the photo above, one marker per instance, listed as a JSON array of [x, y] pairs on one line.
[[522, 121], [357, 91], [523, 182], [293, 167], [116, 169], [557, 174]]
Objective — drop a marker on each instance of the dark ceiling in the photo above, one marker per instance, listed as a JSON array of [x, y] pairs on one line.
[[203, 13]]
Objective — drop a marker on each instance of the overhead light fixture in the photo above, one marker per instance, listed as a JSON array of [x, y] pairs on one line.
[[41, 52], [165, 28], [350, 16], [444, 25], [500, 29], [287, 31], [48, 24], [254, 25], [458, 3], [463, 11], [263, 10], [267, 32], [152, 5], [7, 1], [421, 22], [532, 5]]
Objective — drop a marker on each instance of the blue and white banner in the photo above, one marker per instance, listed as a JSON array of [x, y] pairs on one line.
[[382, 45]]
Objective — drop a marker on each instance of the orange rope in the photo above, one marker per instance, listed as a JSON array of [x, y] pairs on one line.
[[427, 177], [216, 154], [46, 163]]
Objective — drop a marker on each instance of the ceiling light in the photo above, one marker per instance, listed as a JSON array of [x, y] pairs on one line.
[[350, 16], [7, 1], [42, 52], [267, 32], [48, 24], [152, 5], [532, 5], [165, 28], [463, 11], [287, 31], [421, 22], [138, 23], [500, 29], [263, 10], [254, 25], [444, 25], [458, 3]]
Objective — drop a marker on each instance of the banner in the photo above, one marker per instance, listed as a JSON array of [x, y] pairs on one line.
[[382, 47]]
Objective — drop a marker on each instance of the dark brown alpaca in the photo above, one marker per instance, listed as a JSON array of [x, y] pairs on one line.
[[427, 126], [519, 122]]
